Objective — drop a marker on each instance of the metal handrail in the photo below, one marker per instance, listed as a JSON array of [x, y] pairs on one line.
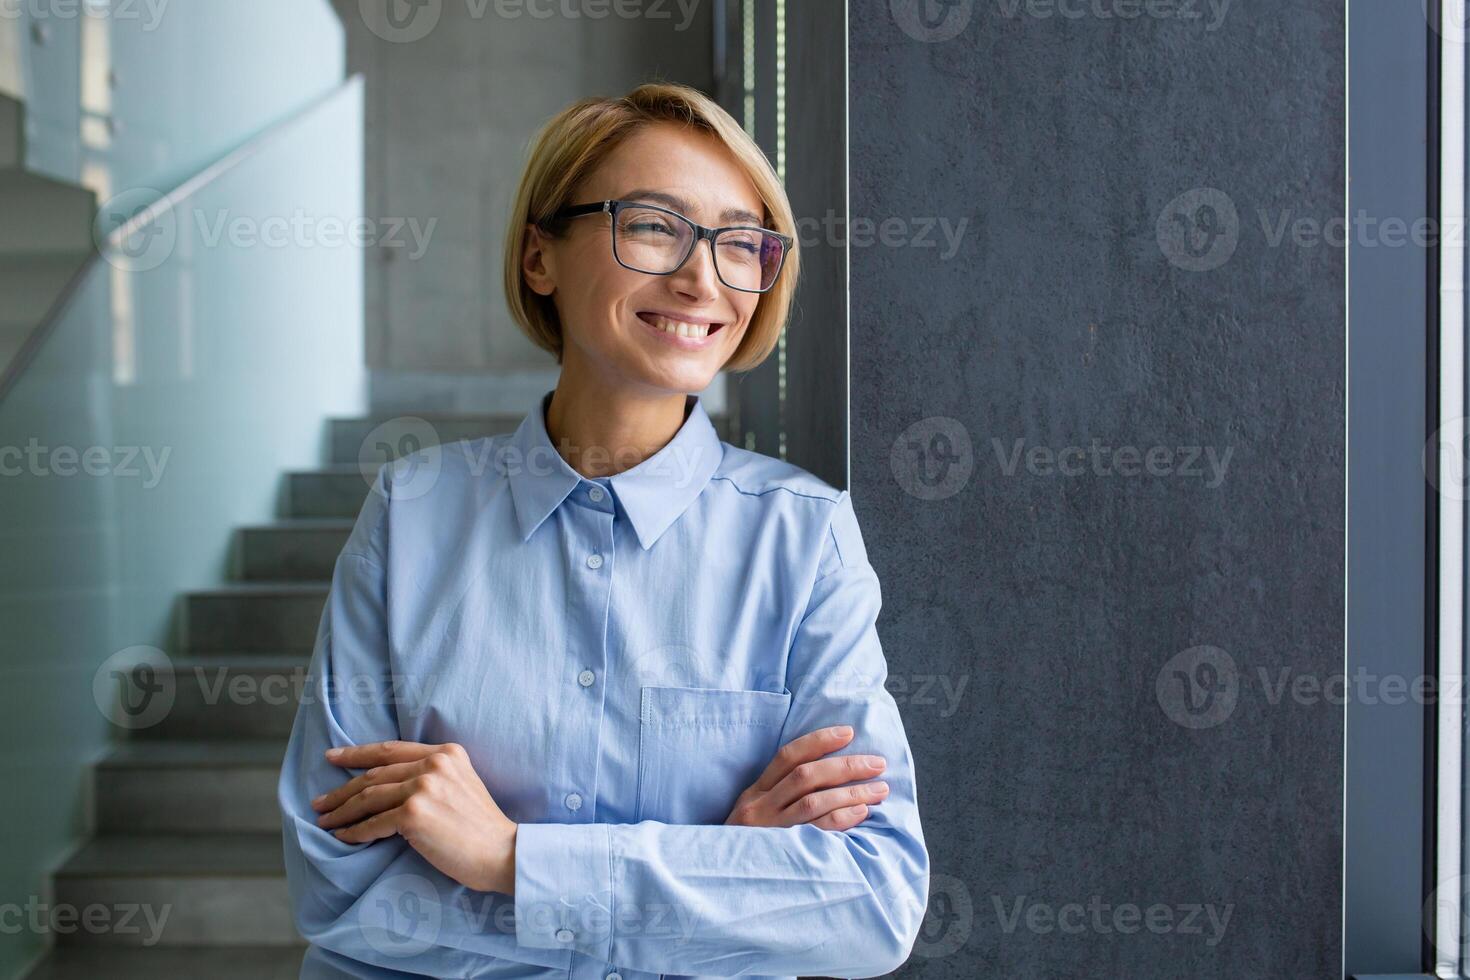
[[31, 346]]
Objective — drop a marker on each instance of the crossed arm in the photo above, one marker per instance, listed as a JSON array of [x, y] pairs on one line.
[[805, 877], [431, 796]]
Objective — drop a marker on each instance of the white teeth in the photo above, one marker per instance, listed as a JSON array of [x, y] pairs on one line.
[[679, 327]]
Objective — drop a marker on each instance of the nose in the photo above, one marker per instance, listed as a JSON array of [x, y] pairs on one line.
[[697, 276]]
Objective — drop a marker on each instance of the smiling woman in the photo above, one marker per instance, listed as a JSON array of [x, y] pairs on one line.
[[645, 668], [569, 284]]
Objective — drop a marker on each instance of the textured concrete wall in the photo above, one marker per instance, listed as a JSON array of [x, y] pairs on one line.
[[1089, 644]]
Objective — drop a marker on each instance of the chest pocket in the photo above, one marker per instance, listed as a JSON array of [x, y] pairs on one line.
[[699, 748]]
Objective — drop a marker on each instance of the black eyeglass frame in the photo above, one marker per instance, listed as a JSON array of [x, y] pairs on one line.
[[612, 207]]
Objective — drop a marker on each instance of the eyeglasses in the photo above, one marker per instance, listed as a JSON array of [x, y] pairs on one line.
[[655, 240]]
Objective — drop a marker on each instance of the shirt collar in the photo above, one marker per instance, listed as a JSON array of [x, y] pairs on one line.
[[653, 494]]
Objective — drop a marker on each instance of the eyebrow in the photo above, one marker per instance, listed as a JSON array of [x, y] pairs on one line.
[[679, 204]]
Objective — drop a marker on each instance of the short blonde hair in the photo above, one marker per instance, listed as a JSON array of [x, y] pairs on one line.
[[572, 145]]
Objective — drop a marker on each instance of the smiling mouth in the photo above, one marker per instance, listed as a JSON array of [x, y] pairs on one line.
[[679, 328]]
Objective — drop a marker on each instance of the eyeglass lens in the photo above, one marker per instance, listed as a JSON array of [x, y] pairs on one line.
[[656, 242]]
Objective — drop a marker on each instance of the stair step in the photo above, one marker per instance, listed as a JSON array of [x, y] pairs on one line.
[[333, 491], [32, 283], [146, 856], [12, 133], [43, 214], [375, 438], [190, 786], [242, 695], [216, 963], [180, 890], [275, 617], [295, 549]]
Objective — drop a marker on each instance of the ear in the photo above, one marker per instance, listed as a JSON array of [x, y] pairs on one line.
[[533, 262]]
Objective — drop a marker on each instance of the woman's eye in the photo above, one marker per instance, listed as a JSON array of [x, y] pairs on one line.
[[741, 248], [647, 227]]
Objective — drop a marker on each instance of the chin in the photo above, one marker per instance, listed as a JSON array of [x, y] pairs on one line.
[[680, 380]]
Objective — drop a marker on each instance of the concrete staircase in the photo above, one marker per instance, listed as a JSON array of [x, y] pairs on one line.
[[186, 815], [45, 235]]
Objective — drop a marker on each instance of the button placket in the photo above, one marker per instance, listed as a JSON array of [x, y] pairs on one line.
[[588, 609]]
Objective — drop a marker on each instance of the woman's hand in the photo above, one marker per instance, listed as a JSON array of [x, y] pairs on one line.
[[430, 796], [794, 788]]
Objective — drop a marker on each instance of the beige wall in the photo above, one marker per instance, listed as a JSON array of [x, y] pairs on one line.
[[448, 119], [10, 57]]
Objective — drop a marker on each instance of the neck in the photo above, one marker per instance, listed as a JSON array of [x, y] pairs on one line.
[[602, 431]]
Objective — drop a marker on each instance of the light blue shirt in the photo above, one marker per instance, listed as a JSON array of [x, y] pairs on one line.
[[620, 657]]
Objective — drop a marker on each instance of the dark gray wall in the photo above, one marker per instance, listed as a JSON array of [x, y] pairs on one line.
[[1116, 638]]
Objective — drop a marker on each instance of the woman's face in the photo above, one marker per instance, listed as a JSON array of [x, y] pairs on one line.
[[606, 310]]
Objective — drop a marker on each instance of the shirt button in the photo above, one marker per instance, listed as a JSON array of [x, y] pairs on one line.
[[614, 976], [596, 495], [586, 677], [574, 801], [564, 935], [594, 561]]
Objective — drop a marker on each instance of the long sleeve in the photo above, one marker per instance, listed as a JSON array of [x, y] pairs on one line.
[[725, 900], [379, 905]]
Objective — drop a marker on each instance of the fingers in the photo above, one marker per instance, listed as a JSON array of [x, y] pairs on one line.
[[376, 776], [812, 745], [809, 777], [814, 807], [372, 800], [378, 753], [383, 825], [845, 818]]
